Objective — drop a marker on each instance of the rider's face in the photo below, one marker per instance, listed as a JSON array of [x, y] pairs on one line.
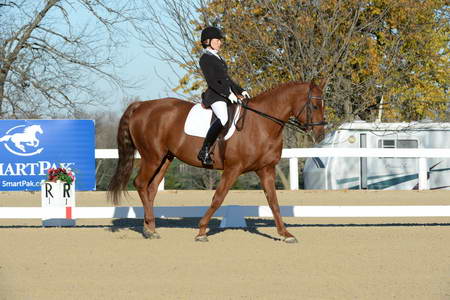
[[216, 44]]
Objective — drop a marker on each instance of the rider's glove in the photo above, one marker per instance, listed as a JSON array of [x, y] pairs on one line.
[[245, 94], [233, 98]]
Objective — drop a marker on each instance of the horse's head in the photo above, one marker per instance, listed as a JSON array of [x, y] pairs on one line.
[[34, 129], [311, 110]]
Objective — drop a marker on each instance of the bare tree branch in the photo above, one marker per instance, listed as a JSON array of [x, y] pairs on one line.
[[48, 61]]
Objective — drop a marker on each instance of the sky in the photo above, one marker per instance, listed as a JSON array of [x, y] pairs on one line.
[[154, 78]]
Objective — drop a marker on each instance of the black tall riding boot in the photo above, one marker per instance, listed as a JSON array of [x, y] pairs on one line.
[[211, 137]]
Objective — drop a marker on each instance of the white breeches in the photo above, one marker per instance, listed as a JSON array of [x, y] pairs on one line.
[[221, 111]]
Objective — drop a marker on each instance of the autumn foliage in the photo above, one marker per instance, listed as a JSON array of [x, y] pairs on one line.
[[385, 53]]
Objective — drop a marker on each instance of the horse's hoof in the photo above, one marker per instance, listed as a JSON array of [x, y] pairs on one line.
[[290, 240], [201, 238], [150, 235]]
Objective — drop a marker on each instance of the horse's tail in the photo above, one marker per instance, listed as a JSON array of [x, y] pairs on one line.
[[5, 138], [119, 181]]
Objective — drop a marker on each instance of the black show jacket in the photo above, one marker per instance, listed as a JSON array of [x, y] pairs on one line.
[[215, 71]]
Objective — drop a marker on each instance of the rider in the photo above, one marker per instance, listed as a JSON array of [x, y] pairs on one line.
[[220, 88]]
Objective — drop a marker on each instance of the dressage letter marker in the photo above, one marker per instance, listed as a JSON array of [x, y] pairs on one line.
[[57, 195]]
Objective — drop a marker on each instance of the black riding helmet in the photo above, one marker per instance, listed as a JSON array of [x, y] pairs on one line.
[[211, 33]]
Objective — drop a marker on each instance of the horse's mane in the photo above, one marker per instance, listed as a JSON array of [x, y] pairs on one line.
[[30, 129]]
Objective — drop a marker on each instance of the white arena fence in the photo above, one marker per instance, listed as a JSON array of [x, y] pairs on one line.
[[295, 153], [234, 215]]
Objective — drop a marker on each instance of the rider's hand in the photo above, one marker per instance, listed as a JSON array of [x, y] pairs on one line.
[[246, 94], [233, 98]]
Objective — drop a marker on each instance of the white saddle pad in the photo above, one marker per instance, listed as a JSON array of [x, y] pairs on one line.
[[198, 121]]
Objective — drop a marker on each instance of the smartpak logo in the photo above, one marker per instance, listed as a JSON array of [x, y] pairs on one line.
[[22, 140]]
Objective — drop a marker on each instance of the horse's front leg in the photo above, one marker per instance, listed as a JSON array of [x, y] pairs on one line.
[[267, 177], [19, 146], [33, 143], [226, 182]]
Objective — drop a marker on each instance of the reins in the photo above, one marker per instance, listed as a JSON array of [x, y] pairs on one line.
[[276, 120], [292, 123]]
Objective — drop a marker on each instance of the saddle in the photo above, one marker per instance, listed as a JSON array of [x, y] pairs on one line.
[[199, 120]]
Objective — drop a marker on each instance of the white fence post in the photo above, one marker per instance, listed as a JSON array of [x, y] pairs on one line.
[[293, 173], [423, 174]]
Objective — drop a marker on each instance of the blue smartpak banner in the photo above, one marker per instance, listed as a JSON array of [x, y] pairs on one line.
[[28, 148]]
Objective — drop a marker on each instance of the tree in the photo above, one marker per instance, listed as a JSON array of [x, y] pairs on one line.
[[49, 53], [415, 34]]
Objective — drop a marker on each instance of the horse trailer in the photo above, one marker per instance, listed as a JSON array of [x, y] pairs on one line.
[[332, 173]]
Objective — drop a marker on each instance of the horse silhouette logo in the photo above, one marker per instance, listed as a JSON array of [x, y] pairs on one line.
[[22, 140]]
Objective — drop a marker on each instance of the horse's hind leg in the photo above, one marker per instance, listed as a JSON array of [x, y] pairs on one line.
[[147, 181], [267, 177]]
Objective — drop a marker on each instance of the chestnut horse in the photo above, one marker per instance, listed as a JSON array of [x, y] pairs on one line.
[[155, 129]]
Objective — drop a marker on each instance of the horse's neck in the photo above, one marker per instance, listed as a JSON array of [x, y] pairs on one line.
[[278, 105]]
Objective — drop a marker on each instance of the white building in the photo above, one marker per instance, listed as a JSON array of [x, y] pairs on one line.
[[332, 173]]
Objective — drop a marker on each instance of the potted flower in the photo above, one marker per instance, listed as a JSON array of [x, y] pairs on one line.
[[59, 187], [60, 174]]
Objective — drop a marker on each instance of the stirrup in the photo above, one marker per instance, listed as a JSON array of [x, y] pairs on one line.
[[205, 157]]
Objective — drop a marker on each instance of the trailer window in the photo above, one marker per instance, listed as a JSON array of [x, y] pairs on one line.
[[398, 144], [386, 144], [407, 144]]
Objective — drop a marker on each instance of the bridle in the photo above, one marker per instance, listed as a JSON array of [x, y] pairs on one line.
[[293, 122], [309, 106]]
